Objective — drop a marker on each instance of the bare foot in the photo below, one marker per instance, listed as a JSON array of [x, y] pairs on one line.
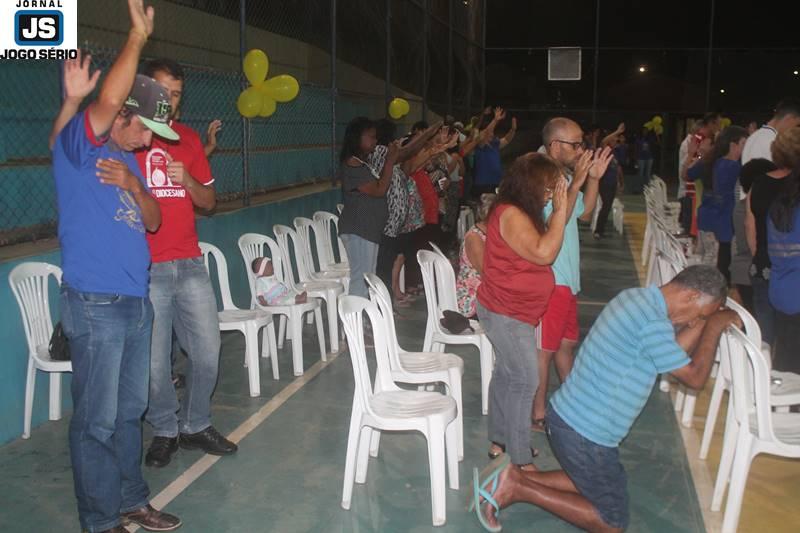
[[301, 298], [505, 486], [495, 449], [530, 467]]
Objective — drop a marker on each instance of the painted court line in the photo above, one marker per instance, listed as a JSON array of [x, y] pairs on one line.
[[201, 466]]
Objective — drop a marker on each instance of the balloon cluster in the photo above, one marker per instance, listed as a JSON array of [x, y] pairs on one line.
[[655, 124], [398, 108], [260, 99]]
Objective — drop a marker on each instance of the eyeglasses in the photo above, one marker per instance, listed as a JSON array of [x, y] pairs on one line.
[[575, 144]]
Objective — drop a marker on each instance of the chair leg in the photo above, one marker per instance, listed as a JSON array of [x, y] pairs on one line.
[[741, 468], [55, 395], [350, 458], [268, 340], [454, 386], [436, 462], [30, 387], [487, 364], [726, 460], [451, 452], [333, 322], [251, 356], [375, 443], [680, 396], [362, 458], [689, 401], [281, 330], [296, 325], [711, 419], [320, 333], [426, 344]]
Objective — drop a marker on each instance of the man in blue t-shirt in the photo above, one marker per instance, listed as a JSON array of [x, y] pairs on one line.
[[487, 169], [104, 210], [632, 341]]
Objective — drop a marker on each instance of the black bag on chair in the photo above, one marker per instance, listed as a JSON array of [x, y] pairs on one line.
[[455, 323], [59, 346]]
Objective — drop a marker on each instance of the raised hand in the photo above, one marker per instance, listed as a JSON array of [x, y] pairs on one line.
[[393, 150], [560, 195], [499, 113], [77, 81], [115, 172], [513, 123], [582, 166], [213, 127], [141, 18], [621, 127], [600, 162]]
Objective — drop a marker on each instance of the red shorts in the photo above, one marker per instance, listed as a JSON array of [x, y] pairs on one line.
[[560, 321]]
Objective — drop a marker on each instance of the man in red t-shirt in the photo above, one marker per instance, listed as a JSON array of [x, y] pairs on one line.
[[179, 177]]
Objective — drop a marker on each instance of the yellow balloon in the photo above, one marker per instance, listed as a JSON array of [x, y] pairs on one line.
[[657, 120], [406, 107], [396, 108], [725, 122], [658, 128], [250, 102], [255, 66], [283, 88], [268, 107], [648, 125]]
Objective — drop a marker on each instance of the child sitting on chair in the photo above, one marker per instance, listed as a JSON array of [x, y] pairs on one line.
[[270, 291]]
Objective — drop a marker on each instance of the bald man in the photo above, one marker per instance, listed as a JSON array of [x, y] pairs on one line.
[[563, 141]]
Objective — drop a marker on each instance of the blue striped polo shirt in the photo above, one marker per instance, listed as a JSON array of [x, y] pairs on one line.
[[631, 342]]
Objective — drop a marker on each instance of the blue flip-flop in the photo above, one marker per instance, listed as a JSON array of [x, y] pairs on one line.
[[488, 497], [494, 467]]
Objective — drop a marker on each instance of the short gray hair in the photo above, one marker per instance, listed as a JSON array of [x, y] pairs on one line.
[[554, 127], [703, 278]]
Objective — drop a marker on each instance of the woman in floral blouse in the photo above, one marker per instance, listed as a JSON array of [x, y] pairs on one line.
[[471, 259]]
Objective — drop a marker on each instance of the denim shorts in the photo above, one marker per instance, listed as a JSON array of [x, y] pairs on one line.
[[595, 470]]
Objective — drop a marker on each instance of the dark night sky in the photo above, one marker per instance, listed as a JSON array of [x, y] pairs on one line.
[[676, 35]]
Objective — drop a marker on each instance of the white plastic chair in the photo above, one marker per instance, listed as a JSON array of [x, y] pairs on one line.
[[466, 219], [618, 215], [326, 290], [29, 283], [339, 208], [252, 245], [304, 228], [754, 428], [389, 408], [322, 233], [440, 295], [248, 321], [596, 213], [417, 367]]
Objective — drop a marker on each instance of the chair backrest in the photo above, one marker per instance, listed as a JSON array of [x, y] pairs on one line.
[[340, 208], [750, 383], [284, 235], [751, 327], [351, 310], [440, 284], [322, 233], [210, 251], [29, 283], [379, 294], [252, 245], [436, 249], [304, 228]]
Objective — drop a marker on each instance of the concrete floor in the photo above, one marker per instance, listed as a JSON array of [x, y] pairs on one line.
[[287, 475]]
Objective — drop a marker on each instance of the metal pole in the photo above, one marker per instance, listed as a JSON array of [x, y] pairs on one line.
[[450, 61], [334, 165], [483, 57], [245, 122], [710, 51], [388, 80], [596, 60], [425, 31]]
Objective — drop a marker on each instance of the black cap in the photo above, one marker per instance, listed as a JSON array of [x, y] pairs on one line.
[[149, 100]]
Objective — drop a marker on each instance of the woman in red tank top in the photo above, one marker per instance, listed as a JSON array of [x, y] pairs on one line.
[[515, 287]]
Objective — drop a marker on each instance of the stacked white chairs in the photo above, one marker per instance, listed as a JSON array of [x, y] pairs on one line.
[[253, 245], [248, 321], [324, 222], [752, 428], [417, 367], [466, 219], [329, 291], [304, 228], [30, 285], [618, 215], [386, 407], [440, 294]]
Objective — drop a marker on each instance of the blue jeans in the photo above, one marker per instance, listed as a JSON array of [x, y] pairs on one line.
[[514, 382], [594, 469], [363, 258], [109, 339], [765, 313], [183, 299]]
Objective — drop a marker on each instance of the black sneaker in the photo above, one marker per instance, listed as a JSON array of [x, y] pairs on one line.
[[209, 440], [160, 452]]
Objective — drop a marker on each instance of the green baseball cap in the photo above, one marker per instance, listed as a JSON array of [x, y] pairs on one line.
[[149, 100]]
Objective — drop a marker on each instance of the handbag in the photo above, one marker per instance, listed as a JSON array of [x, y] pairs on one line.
[[455, 323], [59, 345]]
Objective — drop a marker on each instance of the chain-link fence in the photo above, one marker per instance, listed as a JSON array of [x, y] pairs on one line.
[[350, 56]]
